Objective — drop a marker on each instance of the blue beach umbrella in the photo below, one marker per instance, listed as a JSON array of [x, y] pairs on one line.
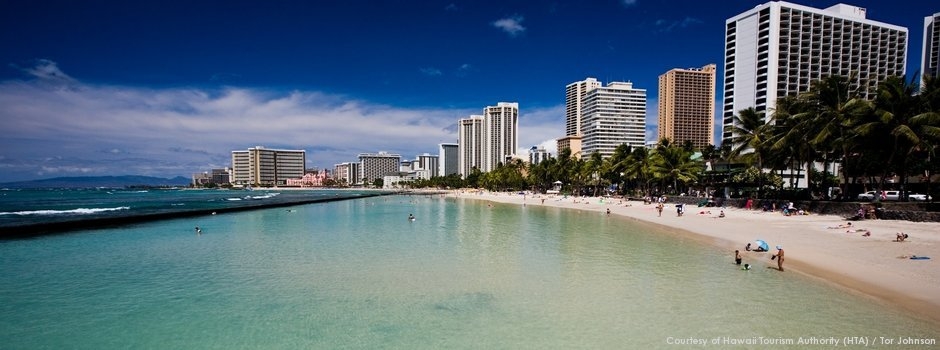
[[761, 244]]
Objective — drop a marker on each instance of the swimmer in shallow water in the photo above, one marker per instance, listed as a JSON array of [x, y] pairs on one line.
[[411, 217]]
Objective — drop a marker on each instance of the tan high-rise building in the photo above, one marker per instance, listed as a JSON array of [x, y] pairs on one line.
[[687, 106], [263, 166]]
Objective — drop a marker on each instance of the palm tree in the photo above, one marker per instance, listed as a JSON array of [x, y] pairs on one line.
[[895, 107], [637, 168], [672, 163], [592, 169], [832, 110], [929, 121], [750, 134]]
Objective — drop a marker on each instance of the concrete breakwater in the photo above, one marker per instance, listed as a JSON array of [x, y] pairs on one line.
[[68, 225]]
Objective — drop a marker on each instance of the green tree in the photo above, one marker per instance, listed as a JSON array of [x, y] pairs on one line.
[[674, 164]]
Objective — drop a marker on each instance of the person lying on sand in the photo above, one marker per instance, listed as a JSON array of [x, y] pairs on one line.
[[845, 225]]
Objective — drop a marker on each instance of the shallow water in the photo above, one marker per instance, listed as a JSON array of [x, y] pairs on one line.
[[357, 274]]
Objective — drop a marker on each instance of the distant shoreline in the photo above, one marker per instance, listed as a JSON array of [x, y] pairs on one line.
[[68, 226]]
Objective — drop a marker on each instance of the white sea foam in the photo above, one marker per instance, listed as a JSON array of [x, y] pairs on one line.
[[266, 196], [79, 211]]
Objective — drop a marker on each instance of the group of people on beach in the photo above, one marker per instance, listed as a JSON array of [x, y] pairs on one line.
[[778, 256]]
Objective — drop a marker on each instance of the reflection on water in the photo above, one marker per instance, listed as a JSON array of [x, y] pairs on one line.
[[358, 274]]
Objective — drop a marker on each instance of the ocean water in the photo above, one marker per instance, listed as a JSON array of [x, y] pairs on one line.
[[464, 275], [33, 206]]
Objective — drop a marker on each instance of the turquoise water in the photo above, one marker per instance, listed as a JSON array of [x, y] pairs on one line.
[[357, 274]]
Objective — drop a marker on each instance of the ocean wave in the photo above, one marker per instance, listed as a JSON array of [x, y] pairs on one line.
[[266, 196], [79, 211]]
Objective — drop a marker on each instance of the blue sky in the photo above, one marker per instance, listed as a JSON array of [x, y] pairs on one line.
[[172, 87]]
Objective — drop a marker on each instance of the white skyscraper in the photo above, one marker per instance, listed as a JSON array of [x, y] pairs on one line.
[[611, 116], [537, 155], [574, 99], [500, 133], [778, 49], [930, 60], [470, 144], [483, 141], [426, 165]]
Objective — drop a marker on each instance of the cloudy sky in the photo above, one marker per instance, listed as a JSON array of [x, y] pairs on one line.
[[168, 88]]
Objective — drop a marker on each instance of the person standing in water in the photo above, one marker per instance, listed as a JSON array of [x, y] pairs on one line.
[[779, 257], [737, 257]]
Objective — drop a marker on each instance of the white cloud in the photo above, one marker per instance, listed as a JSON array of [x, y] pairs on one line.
[[540, 127], [116, 130], [48, 71], [431, 71], [668, 26], [511, 25]]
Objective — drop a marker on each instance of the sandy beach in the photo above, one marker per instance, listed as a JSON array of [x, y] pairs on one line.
[[875, 265]]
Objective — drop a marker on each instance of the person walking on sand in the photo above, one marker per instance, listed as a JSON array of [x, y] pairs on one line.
[[659, 208], [779, 257]]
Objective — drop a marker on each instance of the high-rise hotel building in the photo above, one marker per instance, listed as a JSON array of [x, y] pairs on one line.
[[687, 106], [500, 133], [778, 49], [484, 141], [268, 167], [376, 165], [574, 101], [612, 115], [448, 158], [469, 144], [930, 60]]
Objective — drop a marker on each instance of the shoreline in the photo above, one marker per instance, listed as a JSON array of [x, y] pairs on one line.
[[874, 266]]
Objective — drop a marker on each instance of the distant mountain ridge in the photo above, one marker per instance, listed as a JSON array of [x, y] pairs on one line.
[[99, 181]]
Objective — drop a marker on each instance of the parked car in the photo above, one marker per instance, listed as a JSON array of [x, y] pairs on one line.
[[918, 197], [882, 195]]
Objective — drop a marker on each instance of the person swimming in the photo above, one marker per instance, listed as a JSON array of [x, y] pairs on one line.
[[198, 230], [411, 217], [746, 267]]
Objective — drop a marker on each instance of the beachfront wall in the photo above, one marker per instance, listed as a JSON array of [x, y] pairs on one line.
[[907, 211]]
